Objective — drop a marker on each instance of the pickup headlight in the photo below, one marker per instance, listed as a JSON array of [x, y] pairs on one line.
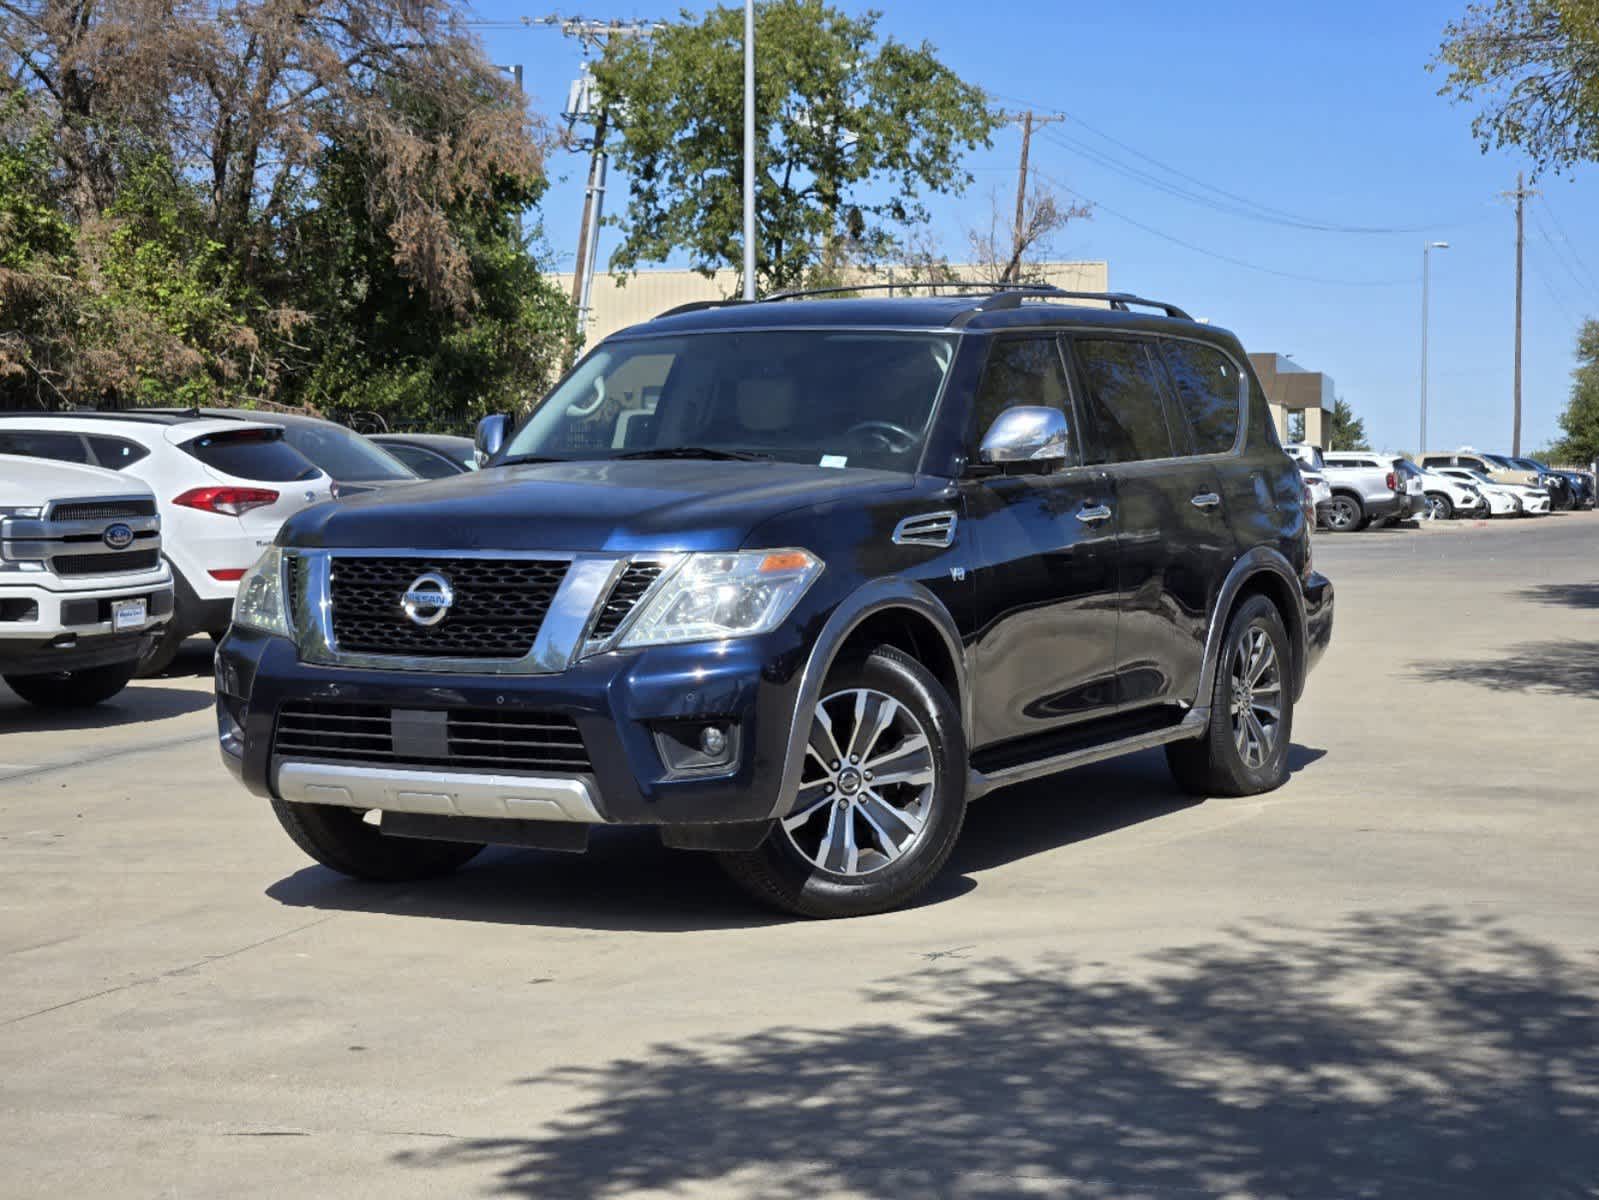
[[259, 603], [713, 596]]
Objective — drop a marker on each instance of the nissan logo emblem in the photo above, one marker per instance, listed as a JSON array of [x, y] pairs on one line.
[[118, 536], [427, 601]]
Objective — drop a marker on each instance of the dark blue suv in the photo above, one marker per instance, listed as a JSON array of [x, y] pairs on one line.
[[793, 581]]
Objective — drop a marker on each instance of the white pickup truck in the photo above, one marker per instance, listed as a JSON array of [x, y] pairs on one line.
[[83, 587]]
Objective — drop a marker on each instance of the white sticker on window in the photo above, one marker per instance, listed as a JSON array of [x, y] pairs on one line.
[[835, 460]]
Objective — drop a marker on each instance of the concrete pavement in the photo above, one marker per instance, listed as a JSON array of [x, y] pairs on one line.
[[1382, 980]]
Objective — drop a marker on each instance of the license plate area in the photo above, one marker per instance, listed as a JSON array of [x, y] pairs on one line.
[[129, 614]]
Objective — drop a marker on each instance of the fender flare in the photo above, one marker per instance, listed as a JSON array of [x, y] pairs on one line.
[[879, 595], [1260, 560]]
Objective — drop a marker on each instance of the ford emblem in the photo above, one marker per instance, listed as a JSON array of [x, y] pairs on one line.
[[118, 536]]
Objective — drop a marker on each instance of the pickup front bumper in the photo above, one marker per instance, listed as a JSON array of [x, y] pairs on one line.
[[43, 631]]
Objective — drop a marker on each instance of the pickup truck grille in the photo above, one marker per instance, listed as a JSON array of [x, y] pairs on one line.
[[115, 563], [97, 510], [486, 739], [498, 607]]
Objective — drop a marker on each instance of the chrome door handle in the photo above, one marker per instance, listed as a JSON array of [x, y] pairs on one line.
[[1091, 516], [1206, 500]]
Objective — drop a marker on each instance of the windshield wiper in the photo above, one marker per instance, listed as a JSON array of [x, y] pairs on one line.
[[698, 452], [527, 458]]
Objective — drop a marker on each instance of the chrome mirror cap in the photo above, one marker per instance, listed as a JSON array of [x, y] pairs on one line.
[[490, 436], [1027, 433]]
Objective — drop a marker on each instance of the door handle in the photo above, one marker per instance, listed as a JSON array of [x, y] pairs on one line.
[[1092, 516], [1206, 500]]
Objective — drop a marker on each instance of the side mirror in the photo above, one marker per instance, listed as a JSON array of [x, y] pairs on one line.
[[490, 436], [1026, 434]]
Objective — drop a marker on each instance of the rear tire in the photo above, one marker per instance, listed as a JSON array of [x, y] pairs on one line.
[[1244, 750], [73, 689], [1345, 514], [341, 839], [852, 844]]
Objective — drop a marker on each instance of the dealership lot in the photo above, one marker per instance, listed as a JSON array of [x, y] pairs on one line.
[[1381, 980]]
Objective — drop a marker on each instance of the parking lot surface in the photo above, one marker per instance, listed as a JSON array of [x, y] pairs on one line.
[[1381, 980]]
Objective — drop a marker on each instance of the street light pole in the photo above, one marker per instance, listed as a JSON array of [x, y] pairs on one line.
[[749, 149], [1426, 267]]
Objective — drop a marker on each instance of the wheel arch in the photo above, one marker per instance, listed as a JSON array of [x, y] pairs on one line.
[[1261, 572], [895, 612]]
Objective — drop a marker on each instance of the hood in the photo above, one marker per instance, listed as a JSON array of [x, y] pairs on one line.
[[603, 505], [26, 481]]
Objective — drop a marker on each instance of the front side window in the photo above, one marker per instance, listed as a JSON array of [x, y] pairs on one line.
[[833, 398], [1020, 372], [1207, 383], [41, 443], [1125, 418]]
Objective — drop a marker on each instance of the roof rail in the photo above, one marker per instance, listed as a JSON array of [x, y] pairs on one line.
[[697, 306]]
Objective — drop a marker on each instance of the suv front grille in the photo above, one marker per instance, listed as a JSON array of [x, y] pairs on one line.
[[625, 595], [485, 739], [100, 510], [116, 563], [498, 608]]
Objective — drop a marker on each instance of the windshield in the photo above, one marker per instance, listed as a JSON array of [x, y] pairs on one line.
[[825, 397], [1503, 463], [345, 454]]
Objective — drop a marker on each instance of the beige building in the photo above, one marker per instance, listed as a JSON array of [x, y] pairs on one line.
[[1291, 388], [649, 293]]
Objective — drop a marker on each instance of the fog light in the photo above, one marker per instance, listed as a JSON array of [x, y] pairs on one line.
[[687, 747]]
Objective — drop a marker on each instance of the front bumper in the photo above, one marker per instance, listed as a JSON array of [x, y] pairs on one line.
[[618, 702], [43, 631]]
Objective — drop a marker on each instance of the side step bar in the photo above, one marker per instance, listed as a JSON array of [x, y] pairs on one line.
[[1192, 725]]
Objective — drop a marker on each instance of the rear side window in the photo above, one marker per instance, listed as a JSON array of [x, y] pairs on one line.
[[1207, 386], [1019, 371], [1123, 411], [39, 443], [116, 453], [257, 454]]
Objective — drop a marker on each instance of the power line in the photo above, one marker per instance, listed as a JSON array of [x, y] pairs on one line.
[[1227, 258], [1563, 258], [1571, 247]]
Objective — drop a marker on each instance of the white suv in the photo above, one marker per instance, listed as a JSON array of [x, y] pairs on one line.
[[223, 488]]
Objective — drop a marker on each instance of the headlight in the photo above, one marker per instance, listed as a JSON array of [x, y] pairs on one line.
[[714, 596], [259, 604]]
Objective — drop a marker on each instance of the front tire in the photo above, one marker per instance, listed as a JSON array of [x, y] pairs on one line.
[[341, 839], [1244, 750], [881, 798], [73, 689], [1439, 507]]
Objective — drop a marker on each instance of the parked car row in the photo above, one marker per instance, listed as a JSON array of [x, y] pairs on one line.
[[1363, 489], [221, 482]]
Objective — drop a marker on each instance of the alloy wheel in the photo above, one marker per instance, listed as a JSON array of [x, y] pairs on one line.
[[866, 794], [1435, 508], [1257, 686], [1340, 513]]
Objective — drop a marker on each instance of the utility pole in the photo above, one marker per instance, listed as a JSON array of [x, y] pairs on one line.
[[1426, 283], [1028, 120], [1520, 196], [749, 149], [585, 106]]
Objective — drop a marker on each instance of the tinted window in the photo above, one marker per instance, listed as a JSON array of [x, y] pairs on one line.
[[1207, 385], [257, 454], [424, 462], [1123, 410], [116, 453], [345, 454], [1019, 372], [1436, 460], [34, 443]]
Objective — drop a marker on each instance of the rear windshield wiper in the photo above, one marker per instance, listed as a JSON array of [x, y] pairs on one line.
[[697, 452]]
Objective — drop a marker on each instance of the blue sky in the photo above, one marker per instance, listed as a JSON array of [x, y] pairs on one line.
[[1323, 113]]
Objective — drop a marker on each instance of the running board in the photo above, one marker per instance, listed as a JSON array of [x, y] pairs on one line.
[[1192, 725]]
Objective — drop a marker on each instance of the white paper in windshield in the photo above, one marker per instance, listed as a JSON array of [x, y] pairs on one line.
[[835, 460]]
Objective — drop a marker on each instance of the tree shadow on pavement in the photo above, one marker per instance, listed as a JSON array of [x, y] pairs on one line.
[[1566, 668], [1569, 595], [1413, 1055]]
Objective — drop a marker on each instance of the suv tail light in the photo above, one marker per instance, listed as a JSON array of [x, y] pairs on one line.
[[1392, 481], [228, 501]]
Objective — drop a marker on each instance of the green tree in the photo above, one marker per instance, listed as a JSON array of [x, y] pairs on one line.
[[1345, 431], [1580, 422], [1532, 68], [851, 132]]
